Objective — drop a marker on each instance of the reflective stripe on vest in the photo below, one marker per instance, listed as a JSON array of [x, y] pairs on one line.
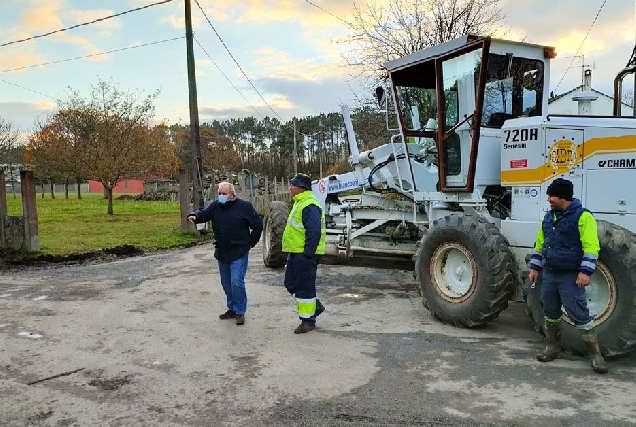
[[294, 233]]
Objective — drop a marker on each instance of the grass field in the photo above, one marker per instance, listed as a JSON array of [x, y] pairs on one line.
[[79, 225]]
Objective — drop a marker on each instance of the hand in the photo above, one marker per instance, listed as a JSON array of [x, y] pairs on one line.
[[582, 280], [533, 276], [191, 218]]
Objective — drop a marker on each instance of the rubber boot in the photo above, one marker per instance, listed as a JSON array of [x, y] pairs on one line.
[[590, 338], [553, 342]]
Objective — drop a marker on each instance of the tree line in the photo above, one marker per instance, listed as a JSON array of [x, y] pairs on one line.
[[107, 136]]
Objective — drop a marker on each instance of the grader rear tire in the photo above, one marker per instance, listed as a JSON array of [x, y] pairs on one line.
[[275, 220], [466, 270], [611, 296]]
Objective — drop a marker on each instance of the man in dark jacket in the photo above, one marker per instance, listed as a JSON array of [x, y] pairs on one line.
[[565, 251], [237, 228], [304, 240]]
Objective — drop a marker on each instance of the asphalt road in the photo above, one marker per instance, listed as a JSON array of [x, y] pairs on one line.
[[139, 342]]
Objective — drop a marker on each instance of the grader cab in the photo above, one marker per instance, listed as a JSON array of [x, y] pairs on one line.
[[460, 188]]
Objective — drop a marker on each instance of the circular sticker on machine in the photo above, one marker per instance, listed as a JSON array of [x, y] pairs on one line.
[[563, 155], [321, 187], [534, 192]]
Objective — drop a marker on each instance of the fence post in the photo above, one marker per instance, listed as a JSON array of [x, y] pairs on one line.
[[184, 200], [29, 212], [3, 211]]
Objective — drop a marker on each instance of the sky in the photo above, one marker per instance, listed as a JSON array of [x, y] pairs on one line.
[[291, 50]]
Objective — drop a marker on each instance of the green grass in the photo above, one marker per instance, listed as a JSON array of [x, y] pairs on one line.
[[74, 226]]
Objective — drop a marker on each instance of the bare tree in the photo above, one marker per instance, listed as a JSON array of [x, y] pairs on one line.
[[10, 152], [628, 97], [383, 31], [8, 139]]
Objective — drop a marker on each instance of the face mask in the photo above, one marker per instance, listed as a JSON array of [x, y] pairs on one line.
[[222, 198]]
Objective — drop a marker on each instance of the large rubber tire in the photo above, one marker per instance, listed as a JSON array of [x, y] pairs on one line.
[[611, 296], [275, 220], [466, 270]]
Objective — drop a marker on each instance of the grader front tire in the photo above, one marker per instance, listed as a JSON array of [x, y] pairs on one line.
[[466, 270], [274, 225]]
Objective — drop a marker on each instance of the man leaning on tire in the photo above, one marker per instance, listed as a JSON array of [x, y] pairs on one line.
[[566, 251]]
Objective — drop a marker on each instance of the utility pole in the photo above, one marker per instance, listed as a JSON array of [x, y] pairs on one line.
[[295, 150], [195, 139]]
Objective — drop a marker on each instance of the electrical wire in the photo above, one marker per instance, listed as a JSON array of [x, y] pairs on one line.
[[227, 78], [236, 62], [26, 88], [328, 13], [581, 45], [92, 55], [83, 24]]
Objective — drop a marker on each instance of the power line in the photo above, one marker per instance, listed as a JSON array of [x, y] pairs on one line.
[[227, 78], [329, 13], [236, 62], [581, 45], [26, 88], [85, 23], [92, 55]]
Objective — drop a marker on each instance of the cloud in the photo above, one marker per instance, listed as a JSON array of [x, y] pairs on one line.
[[42, 16], [82, 42], [288, 98], [20, 56], [274, 63], [25, 114]]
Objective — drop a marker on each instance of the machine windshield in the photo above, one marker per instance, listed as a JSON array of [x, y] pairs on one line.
[[514, 88]]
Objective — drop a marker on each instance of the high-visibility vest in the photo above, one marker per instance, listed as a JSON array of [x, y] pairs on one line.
[[294, 234]]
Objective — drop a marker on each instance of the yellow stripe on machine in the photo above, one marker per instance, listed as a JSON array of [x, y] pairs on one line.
[[588, 149]]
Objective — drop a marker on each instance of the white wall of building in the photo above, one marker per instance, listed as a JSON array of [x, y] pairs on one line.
[[603, 106]]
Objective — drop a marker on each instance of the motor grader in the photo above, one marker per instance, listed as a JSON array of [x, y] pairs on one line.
[[460, 188]]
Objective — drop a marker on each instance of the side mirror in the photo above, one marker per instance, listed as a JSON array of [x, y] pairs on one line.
[[380, 95]]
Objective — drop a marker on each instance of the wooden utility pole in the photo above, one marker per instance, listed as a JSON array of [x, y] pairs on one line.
[[295, 156], [195, 139]]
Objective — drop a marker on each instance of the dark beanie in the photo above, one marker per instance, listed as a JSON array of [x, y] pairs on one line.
[[301, 180], [561, 188]]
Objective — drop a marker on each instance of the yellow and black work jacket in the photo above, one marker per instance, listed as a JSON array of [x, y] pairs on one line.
[[298, 239]]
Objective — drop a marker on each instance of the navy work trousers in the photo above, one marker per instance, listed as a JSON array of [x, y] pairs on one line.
[[300, 278], [560, 290]]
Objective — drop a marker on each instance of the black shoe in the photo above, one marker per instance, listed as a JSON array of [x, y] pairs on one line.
[[319, 308], [227, 315], [240, 319], [304, 328]]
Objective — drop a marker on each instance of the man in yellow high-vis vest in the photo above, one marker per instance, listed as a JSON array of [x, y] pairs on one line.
[[304, 240]]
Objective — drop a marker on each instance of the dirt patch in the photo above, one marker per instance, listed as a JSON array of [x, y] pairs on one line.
[[13, 259], [110, 383]]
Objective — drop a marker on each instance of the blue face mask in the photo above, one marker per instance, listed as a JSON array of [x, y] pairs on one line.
[[222, 198]]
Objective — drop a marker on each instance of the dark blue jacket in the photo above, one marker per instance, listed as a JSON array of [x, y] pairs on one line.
[[236, 225], [562, 249]]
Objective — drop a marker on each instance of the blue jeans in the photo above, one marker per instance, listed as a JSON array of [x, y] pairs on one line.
[[233, 281], [559, 289]]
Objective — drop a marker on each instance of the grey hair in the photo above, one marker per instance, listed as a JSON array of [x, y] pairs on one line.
[[229, 185]]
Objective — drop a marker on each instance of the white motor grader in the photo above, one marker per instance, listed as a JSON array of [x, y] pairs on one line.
[[460, 188]]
